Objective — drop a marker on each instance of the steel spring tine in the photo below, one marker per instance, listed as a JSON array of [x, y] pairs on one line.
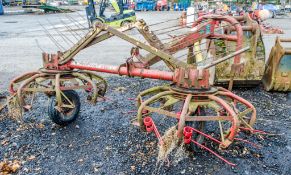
[[51, 37], [63, 36], [70, 30], [214, 153], [74, 22]]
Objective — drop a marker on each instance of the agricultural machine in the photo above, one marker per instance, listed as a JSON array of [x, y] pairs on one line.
[[120, 18], [189, 101]]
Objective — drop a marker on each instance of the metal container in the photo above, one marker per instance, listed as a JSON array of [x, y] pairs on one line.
[[277, 76]]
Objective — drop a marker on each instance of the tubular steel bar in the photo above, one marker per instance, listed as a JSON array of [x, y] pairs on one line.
[[233, 22], [226, 57], [144, 73], [206, 135]]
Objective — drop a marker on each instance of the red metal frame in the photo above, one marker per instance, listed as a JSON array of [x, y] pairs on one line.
[[204, 30], [18, 79], [150, 126], [184, 78], [246, 141], [233, 22]]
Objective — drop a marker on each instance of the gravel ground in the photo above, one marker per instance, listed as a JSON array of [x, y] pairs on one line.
[[103, 140]]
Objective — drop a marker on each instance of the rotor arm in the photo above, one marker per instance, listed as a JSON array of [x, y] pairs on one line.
[[91, 38], [163, 55], [81, 44]]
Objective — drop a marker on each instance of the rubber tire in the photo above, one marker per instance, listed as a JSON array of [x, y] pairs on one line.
[[200, 125], [60, 118]]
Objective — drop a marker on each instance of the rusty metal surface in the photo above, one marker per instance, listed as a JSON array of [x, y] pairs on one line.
[[55, 65], [54, 82], [277, 75], [268, 29], [167, 101], [190, 89], [253, 61]]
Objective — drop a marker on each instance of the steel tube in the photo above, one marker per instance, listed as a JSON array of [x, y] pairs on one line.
[[285, 39], [139, 72], [226, 57], [226, 37], [244, 28]]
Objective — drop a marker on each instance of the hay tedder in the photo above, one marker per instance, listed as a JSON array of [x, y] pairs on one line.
[[189, 101]]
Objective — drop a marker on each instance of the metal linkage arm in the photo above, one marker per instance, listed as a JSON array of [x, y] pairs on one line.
[[155, 46], [215, 62], [88, 40], [163, 55], [81, 44], [141, 27], [200, 32], [108, 35], [149, 36]]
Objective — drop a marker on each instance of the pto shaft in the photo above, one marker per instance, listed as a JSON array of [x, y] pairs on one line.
[[132, 71]]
